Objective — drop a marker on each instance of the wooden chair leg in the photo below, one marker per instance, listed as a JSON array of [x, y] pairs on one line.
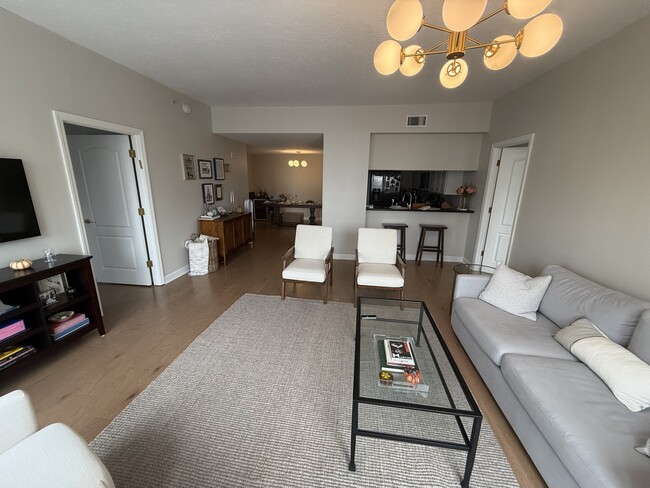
[[442, 246], [283, 288], [418, 256], [331, 273], [327, 288]]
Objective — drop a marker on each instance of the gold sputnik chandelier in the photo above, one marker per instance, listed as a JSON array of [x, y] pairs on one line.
[[406, 18]]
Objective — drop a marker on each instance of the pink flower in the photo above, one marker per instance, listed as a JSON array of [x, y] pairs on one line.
[[460, 190], [471, 189]]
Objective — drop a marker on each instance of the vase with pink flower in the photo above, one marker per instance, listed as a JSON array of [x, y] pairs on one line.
[[466, 192]]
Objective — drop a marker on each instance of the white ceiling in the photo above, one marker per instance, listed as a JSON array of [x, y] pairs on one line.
[[301, 52]]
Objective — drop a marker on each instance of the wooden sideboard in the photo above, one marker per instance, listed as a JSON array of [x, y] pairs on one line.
[[233, 232]]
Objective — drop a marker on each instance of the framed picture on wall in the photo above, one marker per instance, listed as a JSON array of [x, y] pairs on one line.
[[218, 192], [219, 169], [205, 169], [208, 193], [189, 172]]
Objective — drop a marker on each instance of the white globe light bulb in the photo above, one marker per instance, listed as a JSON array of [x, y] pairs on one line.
[[404, 19], [460, 15], [540, 35], [387, 57]]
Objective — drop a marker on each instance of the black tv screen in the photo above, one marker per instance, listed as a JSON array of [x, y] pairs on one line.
[[17, 215]]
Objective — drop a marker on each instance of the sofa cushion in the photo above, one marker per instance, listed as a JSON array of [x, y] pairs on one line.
[[591, 431], [498, 332], [570, 296], [515, 292], [640, 342]]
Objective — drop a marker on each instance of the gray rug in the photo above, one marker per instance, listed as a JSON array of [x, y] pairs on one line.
[[263, 398]]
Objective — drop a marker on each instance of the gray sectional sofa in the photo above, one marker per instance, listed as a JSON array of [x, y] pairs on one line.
[[574, 429]]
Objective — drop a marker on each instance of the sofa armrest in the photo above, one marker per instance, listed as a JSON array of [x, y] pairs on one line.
[[470, 285], [17, 421]]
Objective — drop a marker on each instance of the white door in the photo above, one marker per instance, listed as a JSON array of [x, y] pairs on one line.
[[505, 204], [109, 200]]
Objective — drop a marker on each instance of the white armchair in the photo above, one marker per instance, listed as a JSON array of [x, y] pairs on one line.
[[378, 264], [53, 457], [310, 259]]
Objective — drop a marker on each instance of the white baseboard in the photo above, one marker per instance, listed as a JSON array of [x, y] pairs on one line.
[[177, 274]]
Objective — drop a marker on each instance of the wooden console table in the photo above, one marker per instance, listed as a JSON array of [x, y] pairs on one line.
[[233, 231], [20, 289]]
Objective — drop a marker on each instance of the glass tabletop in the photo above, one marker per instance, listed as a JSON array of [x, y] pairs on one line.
[[433, 384]]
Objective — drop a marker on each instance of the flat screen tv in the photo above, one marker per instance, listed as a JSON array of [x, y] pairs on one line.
[[17, 215]]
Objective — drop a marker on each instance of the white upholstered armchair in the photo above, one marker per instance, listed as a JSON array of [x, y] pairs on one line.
[[310, 259], [378, 264], [53, 457]]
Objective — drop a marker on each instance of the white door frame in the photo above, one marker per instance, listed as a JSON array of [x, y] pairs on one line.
[[490, 184], [142, 175]]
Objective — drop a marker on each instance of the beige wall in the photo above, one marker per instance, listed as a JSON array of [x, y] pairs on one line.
[[346, 146], [428, 152], [586, 202], [42, 72], [271, 172]]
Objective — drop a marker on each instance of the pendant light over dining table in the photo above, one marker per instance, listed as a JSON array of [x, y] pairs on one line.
[[406, 17], [295, 163]]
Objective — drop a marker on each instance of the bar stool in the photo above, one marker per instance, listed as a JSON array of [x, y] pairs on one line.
[[439, 249], [401, 228]]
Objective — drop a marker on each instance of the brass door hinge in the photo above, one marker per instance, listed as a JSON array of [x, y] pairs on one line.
[[149, 263], [490, 210], [482, 253], [498, 163], [141, 212], [132, 153]]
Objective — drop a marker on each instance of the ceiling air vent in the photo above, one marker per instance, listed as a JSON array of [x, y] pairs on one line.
[[416, 121]]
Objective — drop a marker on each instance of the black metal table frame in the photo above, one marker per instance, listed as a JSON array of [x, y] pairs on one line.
[[470, 442]]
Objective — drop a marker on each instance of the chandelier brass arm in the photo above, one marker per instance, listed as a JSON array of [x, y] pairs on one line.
[[406, 17]]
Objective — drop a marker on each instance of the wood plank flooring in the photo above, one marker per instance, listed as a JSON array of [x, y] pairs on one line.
[[88, 383]]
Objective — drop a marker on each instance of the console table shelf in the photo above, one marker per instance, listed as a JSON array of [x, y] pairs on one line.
[[21, 288]]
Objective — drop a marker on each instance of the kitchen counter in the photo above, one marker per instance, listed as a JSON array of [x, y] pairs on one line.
[[431, 210], [455, 235]]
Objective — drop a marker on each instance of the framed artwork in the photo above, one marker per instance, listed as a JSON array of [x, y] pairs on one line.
[[208, 193], [58, 283], [205, 169], [218, 192], [189, 172], [219, 169]]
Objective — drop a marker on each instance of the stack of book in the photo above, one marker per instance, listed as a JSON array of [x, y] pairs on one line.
[[74, 323], [397, 357], [11, 328], [14, 354], [6, 308]]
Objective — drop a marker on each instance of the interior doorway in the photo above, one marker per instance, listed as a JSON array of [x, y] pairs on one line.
[[108, 181], [504, 187]]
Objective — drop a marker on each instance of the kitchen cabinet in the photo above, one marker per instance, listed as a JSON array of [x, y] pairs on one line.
[[233, 232]]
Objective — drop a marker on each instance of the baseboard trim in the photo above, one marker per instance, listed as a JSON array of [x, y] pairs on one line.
[[177, 274]]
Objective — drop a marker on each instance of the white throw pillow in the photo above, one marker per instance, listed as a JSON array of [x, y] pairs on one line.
[[515, 292], [625, 374]]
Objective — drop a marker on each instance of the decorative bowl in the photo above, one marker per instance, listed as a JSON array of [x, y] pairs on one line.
[[61, 316]]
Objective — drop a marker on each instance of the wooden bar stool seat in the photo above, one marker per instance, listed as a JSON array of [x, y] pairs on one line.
[[401, 228], [439, 249]]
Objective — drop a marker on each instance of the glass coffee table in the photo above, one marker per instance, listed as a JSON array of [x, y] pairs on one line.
[[429, 404]]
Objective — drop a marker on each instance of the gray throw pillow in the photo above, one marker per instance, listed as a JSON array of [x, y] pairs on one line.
[[640, 342]]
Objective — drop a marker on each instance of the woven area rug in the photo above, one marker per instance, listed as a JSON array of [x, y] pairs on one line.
[[263, 398]]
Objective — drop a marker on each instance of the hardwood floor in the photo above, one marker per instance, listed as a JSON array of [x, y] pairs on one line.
[[88, 383]]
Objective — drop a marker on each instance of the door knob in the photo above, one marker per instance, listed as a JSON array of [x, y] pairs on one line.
[[88, 221]]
